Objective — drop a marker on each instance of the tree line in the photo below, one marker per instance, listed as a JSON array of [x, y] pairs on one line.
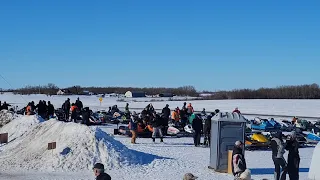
[[308, 91], [52, 89]]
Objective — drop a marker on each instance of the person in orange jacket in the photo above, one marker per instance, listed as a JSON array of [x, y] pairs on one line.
[[175, 116], [28, 109], [73, 110], [190, 109]]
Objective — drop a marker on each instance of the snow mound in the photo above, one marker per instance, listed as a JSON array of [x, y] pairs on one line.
[[78, 147], [5, 117]]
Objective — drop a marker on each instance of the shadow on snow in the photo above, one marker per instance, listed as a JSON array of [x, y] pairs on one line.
[[129, 156], [261, 171]]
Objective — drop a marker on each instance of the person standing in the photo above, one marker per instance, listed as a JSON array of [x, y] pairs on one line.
[[157, 124], [292, 145], [79, 104], [197, 127], [66, 108], [50, 110], [74, 114], [207, 129], [86, 116], [98, 170], [278, 149], [183, 114], [165, 115], [133, 127]]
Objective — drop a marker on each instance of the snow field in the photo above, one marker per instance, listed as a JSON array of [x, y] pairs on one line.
[[79, 147]]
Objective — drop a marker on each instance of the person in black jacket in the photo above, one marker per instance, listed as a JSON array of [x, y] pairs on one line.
[[5, 106], [278, 149], [293, 157], [41, 109], [86, 116], [207, 129], [98, 170], [157, 125], [166, 112], [197, 126], [79, 104], [50, 110], [166, 116], [184, 115], [66, 108]]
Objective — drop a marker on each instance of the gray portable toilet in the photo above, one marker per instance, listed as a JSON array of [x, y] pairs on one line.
[[226, 129]]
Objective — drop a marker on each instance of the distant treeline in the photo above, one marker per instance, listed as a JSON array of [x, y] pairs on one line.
[[311, 91], [52, 89], [283, 92]]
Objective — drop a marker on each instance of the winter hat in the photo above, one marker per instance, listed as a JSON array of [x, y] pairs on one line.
[[189, 176], [238, 143], [98, 166], [293, 134]]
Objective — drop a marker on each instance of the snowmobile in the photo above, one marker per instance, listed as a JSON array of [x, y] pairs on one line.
[[105, 118], [313, 137], [287, 126], [143, 131], [256, 141], [261, 124], [60, 114], [275, 124], [21, 111], [317, 124], [301, 138]]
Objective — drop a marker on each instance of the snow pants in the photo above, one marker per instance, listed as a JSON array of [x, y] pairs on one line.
[[206, 138], [293, 168], [157, 130], [280, 163], [67, 114], [196, 138]]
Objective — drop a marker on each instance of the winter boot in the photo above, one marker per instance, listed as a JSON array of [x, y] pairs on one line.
[[161, 140], [154, 139]]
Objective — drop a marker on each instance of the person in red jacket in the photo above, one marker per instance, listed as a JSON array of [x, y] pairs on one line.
[[236, 110]]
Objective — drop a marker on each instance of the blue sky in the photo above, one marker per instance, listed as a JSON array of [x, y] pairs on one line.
[[212, 45]]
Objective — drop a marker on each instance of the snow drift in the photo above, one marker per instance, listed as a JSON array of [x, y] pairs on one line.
[[78, 147]]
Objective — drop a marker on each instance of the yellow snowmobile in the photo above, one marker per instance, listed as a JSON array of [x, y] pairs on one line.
[[256, 141]]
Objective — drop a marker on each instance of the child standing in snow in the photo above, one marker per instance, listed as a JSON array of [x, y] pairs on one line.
[[239, 166]]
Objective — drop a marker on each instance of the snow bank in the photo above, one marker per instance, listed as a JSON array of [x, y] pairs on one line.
[[78, 147], [314, 172], [5, 117]]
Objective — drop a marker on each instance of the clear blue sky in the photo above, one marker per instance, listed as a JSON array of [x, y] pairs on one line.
[[210, 44]]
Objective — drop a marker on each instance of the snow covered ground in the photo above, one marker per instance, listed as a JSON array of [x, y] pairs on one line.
[[79, 147]]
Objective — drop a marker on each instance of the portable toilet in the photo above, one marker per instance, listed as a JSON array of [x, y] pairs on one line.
[[226, 129], [314, 172]]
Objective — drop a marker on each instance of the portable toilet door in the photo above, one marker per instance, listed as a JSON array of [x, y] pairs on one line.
[[226, 129]]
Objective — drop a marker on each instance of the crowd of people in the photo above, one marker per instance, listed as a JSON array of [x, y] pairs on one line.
[[178, 117]]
